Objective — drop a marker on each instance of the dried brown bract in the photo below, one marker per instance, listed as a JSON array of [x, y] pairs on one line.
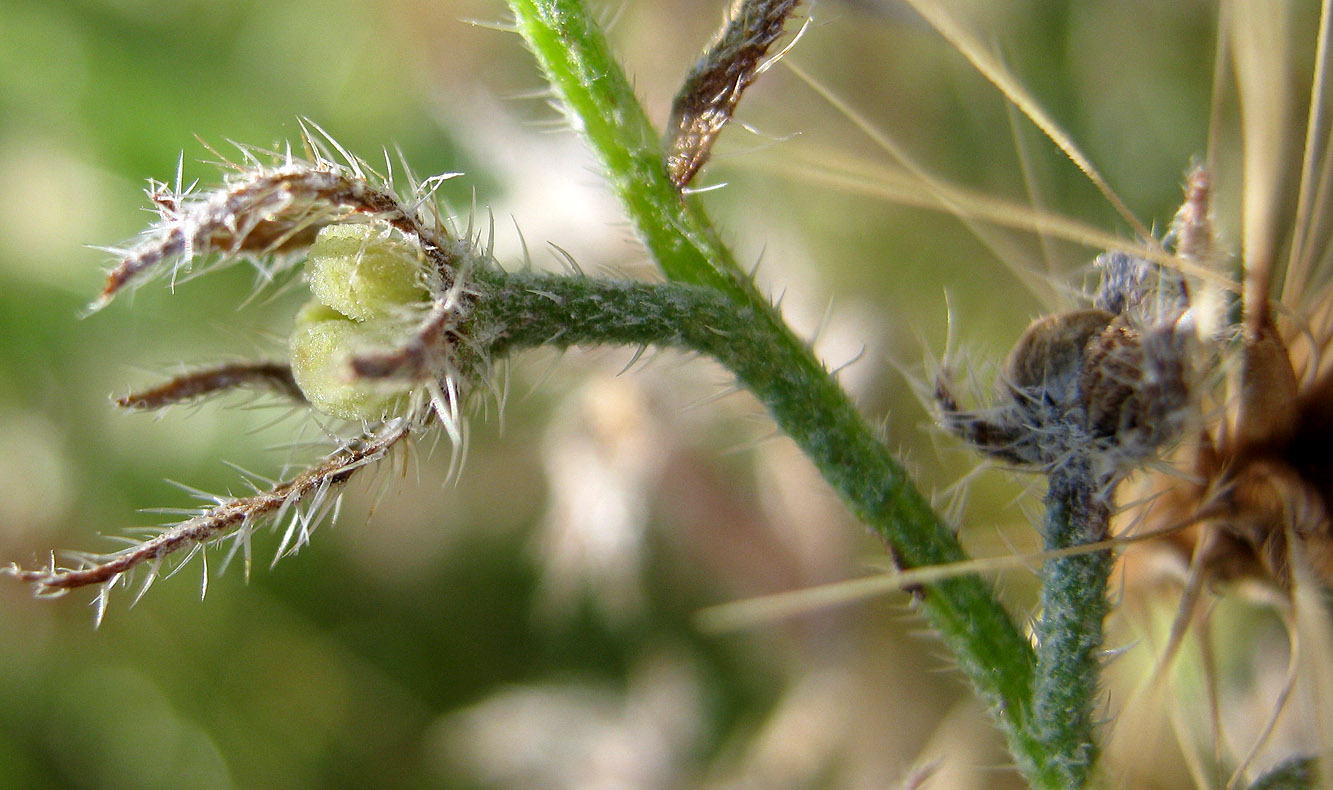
[[707, 100], [271, 206], [1258, 476], [265, 376], [303, 501], [1261, 473]]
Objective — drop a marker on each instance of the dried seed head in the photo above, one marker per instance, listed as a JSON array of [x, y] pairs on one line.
[[1257, 478], [1136, 387], [1047, 361], [1110, 383], [1037, 418]]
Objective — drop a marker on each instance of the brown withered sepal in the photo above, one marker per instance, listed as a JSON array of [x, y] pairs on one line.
[[708, 99]]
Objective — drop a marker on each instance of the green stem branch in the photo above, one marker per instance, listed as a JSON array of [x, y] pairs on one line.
[[601, 104], [526, 310], [1069, 633], [731, 321]]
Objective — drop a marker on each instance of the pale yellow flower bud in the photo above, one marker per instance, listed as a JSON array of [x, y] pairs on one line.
[[363, 272], [365, 283]]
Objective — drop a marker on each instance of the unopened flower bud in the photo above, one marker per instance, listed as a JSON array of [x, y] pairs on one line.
[[365, 283], [321, 345], [364, 272]]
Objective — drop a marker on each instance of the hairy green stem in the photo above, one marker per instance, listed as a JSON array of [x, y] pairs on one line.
[[527, 310], [1069, 633], [601, 104], [731, 321]]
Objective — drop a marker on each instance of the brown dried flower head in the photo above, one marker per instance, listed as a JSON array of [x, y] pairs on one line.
[[1131, 377], [1109, 383]]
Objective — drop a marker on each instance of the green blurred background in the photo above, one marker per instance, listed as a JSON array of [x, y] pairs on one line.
[[530, 625]]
